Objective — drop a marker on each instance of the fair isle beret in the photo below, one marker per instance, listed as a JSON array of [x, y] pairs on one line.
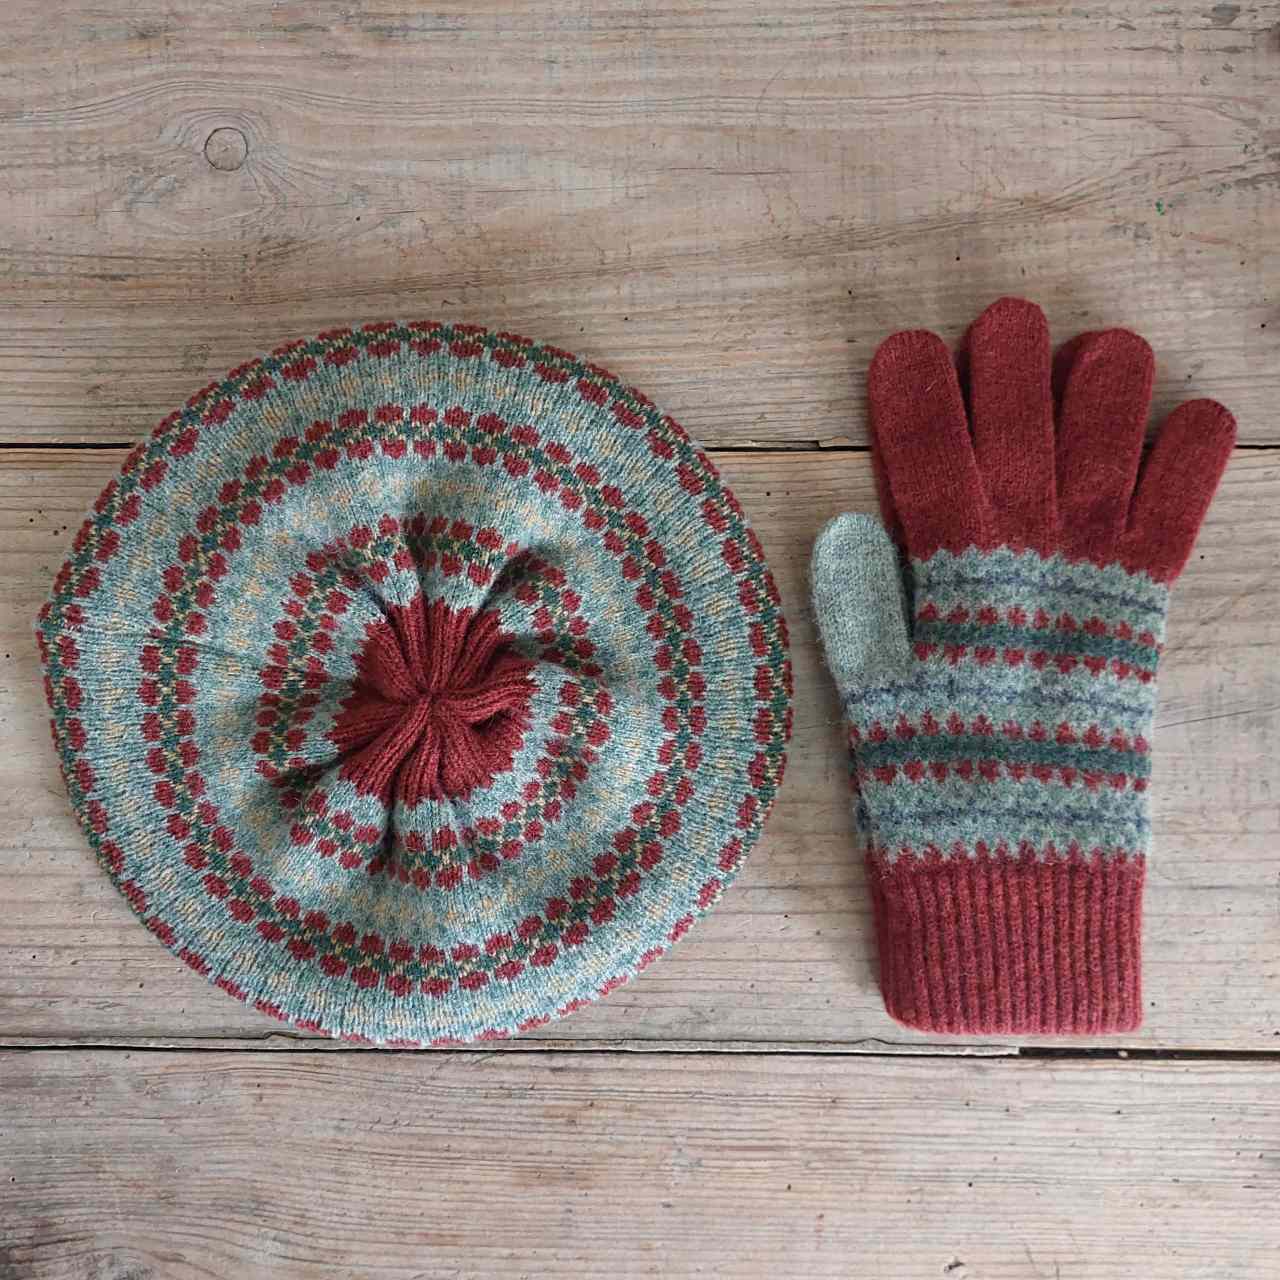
[[417, 683]]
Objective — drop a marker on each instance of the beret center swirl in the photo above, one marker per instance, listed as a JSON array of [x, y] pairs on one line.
[[439, 705]]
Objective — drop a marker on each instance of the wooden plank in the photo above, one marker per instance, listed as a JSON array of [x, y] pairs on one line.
[[461, 1166], [728, 205], [788, 956]]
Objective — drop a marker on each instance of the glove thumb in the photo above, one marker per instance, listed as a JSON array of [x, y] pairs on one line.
[[861, 604]]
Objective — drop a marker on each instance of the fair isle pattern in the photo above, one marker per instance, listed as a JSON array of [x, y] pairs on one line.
[[1000, 691], [417, 683], [1024, 727]]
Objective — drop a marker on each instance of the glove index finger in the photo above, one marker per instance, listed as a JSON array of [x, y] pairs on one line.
[[860, 603], [921, 437]]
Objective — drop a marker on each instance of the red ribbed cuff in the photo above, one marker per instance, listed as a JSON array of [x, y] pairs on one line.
[[1009, 945]]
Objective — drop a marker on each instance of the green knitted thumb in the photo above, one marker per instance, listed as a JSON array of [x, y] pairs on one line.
[[861, 605]]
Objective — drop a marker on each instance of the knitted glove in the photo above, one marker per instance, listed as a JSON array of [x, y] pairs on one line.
[[1000, 699]]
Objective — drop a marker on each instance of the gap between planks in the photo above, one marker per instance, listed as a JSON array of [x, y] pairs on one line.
[[755, 446], [283, 1043]]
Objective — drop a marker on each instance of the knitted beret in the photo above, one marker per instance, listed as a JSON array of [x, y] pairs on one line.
[[417, 683]]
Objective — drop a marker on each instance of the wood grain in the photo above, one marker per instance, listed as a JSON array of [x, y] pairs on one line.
[[730, 205], [787, 959], [179, 1166]]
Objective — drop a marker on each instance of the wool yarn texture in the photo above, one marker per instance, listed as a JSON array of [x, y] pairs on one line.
[[997, 666], [418, 684]]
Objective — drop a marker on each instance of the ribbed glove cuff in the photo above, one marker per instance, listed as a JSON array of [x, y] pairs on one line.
[[1009, 945]]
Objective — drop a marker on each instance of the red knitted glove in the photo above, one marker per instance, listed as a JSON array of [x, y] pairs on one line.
[[1000, 701]]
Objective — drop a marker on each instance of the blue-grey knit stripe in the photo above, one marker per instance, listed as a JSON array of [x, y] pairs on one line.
[[946, 747], [997, 824], [928, 584], [1005, 576], [942, 692], [954, 803]]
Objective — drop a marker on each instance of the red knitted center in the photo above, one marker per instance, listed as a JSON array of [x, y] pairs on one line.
[[439, 706]]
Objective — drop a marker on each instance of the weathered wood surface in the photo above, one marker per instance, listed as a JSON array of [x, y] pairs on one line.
[[460, 1166], [729, 203], [787, 958]]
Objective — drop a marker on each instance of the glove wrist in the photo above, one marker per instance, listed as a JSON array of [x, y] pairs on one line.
[[1008, 945]]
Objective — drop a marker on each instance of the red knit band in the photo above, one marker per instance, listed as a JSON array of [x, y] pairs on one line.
[[1010, 945]]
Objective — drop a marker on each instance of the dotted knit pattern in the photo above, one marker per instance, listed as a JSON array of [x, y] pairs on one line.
[[1024, 726], [418, 684]]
